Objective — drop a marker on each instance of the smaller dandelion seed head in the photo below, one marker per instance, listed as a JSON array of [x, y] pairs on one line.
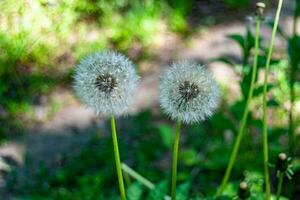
[[106, 82], [282, 163], [260, 8], [260, 5], [282, 156], [188, 92], [243, 185], [244, 191]]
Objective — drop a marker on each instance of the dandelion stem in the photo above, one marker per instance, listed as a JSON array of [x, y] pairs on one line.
[[245, 114], [265, 125], [174, 162], [279, 188], [117, 157]]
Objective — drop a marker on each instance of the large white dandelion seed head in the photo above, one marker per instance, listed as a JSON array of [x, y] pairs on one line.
[[106, 82], [188, 92]]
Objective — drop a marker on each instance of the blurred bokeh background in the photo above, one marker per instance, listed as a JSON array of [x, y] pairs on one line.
[[53, 147]]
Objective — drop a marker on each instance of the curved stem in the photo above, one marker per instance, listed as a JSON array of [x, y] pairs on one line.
[[279, 188], [245, 114], [265, 125], [117, 157], [174, 162]]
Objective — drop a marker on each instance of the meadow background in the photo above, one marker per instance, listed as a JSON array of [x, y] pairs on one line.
[[53, 147]]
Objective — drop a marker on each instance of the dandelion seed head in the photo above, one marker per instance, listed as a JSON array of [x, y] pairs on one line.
[[188, 92], [106, 82]]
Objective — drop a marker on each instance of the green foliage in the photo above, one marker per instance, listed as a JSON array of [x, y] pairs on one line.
[[166, 133], [135, 191], [237, 4], [297, 9], [293, 52], [88, 173], [245, 42], [41, 40], [37, 52]]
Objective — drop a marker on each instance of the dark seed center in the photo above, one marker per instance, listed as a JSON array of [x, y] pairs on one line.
[[188, 90], [106, 83]]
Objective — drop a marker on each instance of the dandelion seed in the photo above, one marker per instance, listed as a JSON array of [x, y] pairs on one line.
[[188, 92], [106, 82]]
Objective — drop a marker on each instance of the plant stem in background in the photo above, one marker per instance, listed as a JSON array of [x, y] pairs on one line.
[[279, 188], [117, 157], [292, 136], [174, 161], [245, 114], [265, 125]]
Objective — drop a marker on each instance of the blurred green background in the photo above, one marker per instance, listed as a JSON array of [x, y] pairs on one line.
[[52, 148]]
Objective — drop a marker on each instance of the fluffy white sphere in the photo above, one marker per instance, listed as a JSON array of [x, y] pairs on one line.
[[106, 82], [188, 92]]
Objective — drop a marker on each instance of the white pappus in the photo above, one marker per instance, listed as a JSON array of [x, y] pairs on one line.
[[106, 82], [188, 92]]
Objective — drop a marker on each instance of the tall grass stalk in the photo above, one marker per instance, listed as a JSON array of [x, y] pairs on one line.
[[245, 114], [292, 136], [117, 157], [174, 161], [265, 125]]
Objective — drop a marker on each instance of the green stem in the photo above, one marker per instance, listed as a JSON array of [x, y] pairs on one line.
[[245, 114], [292, 137], [279, 188], [137, 176], [175, 158], [265, 125], [117, 157]]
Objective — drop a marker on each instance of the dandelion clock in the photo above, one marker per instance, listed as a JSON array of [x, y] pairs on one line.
[[188, 94], [106, 82]]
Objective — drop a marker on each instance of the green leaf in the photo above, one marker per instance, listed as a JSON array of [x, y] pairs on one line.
[[262, 60], [259, 90], [159, 191], [189, 157], [135, 191], [247, 75], [182, 191], [238, 39], [297, 9], [166, 133], [224, 60], [272, 103], [237, 4], [293, 51]]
